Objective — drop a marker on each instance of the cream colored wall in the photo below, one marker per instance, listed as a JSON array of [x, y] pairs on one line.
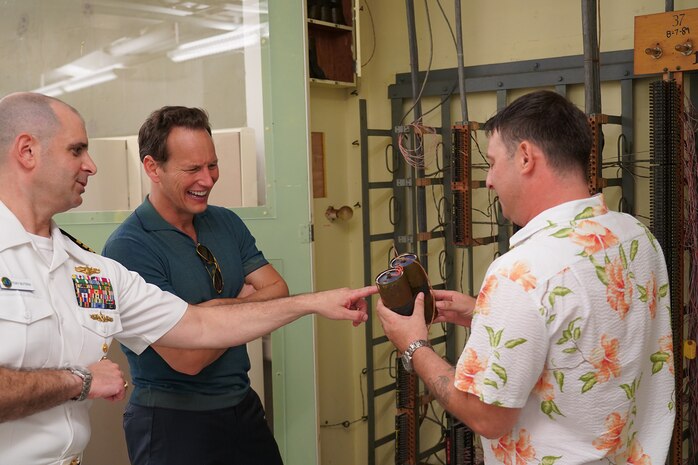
[[338, 262], [493, 32]]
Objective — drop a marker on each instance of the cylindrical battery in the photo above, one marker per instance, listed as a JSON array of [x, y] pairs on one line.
[[395, 291], [418, 280]]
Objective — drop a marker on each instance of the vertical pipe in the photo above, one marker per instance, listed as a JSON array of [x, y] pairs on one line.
[[627, 154], [368, 279], [414, 58], [592, 81], [668, 5], [420, 198], [420, 191], [459, 54]]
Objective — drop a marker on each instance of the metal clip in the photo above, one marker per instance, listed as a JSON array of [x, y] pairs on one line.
[[655, 52]]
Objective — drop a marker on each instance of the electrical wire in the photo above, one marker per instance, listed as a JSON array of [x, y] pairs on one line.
[[415, 156], [690, 123], [373, 33], [364, 417], [448, 23], [454, 86], [431, 58]]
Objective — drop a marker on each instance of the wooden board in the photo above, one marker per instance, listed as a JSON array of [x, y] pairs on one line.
[[317, 143], [665, 31]]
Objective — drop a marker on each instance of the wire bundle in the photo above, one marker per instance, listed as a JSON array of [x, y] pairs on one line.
[[690, 122], [415, 156]]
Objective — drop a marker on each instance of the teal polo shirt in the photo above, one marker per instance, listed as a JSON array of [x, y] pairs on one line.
[[165, 256]]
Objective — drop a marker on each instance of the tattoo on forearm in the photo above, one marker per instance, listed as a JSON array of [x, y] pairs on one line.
[[442, 386]]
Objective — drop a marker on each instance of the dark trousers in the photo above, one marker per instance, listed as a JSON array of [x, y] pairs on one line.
[[232, 436]]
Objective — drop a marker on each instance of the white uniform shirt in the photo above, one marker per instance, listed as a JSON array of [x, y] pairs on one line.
[[572, 325], [50, 317]]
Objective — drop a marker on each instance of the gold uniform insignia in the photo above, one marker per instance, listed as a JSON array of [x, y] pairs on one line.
[[101, 317], [88, 270]]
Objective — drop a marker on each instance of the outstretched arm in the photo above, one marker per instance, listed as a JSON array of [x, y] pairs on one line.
[[231, 325], [262, 284]]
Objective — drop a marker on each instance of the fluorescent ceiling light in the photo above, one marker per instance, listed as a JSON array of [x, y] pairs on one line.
[[145, 43], [135, 6], [76, 83], [53, 90], [241, 38], [247, 9], [89, 81]]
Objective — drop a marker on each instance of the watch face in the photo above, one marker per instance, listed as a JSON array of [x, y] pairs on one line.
[[406, 362]]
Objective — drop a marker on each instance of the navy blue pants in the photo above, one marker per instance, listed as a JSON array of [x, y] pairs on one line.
[[232, 436]]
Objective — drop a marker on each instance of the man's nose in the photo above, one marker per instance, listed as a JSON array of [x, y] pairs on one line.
[[89, 165], [207, 177]]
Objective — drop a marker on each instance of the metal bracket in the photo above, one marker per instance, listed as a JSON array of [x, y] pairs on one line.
[[405, 239]]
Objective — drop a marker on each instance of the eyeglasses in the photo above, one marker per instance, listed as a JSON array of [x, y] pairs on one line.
[[210, 259]]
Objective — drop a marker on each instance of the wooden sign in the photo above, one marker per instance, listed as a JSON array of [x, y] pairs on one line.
[[666, 42]]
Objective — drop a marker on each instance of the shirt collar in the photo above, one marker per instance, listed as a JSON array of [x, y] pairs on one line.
[[153, 221], [565, 212], [12, 232]]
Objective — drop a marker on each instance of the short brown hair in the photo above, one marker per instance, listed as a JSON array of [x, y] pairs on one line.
[[152, 137]]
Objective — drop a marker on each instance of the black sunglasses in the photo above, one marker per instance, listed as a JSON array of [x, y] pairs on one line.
[[210, 259]]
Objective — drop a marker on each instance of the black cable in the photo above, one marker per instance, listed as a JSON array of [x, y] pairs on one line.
[[443, 100], [448, 23], [364, 417], [373, 31], [431, 57]]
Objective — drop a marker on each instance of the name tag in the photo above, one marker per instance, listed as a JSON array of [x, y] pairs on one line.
[[15, 284]]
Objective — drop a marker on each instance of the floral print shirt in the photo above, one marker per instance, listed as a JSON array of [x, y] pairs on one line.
[[572, 325]]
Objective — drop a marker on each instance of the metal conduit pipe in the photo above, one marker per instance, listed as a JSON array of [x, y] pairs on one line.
[[420, 193], [414, 58], [459, 54], [592, 79]]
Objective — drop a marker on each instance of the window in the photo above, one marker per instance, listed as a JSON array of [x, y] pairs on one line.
[[118, 60]]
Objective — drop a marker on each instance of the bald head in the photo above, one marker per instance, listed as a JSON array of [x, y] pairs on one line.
[[27, 112]]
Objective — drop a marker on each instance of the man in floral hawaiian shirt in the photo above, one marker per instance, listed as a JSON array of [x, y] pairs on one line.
[[570, 355]]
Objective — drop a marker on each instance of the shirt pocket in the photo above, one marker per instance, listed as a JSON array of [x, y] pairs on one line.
[[101, 322], [28, 329], [99, 328]]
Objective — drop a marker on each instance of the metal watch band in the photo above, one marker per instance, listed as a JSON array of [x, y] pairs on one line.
[[407, 355], [86, 376]]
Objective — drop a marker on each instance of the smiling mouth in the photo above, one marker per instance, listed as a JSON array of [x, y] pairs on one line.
[[199, 194]]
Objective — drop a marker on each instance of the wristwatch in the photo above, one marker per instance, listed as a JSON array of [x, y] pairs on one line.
[[86, 377], [407, 354]]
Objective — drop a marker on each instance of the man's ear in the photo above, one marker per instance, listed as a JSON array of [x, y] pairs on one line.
[[151, 168], [527, 156], [26, 149]]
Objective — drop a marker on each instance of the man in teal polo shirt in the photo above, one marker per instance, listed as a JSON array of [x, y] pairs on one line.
[[192, 406]]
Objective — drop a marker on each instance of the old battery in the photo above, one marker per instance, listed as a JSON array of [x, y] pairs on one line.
[[395, 291], [418, 281]]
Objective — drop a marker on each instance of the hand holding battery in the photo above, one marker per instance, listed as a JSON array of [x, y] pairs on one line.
[[400, 284], [454, 307], [403, 329]]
